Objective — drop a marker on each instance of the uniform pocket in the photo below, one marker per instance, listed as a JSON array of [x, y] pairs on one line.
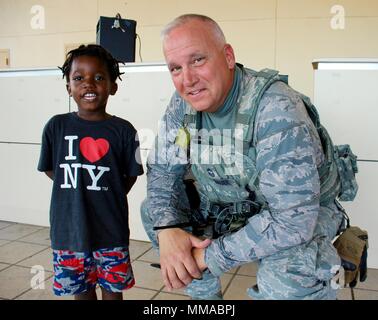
[[302, 260], [347, 167], [317, 259]]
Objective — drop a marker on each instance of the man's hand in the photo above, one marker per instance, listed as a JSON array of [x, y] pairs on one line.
[[178, 266]]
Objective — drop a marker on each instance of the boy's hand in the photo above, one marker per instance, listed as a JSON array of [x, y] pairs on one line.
[[50, 174]]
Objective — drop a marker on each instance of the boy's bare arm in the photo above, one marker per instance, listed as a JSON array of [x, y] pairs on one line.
[[50, 174], [129, 182]]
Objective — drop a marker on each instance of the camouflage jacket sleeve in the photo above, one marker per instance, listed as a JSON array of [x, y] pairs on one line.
[[288, 152], [166, 167]]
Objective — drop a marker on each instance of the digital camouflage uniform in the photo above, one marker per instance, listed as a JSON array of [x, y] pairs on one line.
[[291, 236]]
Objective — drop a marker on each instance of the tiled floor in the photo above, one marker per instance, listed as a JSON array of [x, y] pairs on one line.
[[24, 247]]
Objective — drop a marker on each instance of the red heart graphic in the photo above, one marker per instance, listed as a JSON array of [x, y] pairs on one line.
[[93, 150]]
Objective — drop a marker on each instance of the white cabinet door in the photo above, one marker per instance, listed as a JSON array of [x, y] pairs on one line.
[[347, 101], [28, 101], [363, 211], [346, 97], [25, 192]]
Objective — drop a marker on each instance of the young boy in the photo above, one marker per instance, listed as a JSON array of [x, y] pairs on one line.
[[93, 159]]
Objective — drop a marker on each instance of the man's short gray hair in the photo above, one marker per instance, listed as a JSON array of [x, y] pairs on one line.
[[183, 19]]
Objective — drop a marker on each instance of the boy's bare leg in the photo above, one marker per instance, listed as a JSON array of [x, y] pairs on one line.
[[106, 295], [88, 295]]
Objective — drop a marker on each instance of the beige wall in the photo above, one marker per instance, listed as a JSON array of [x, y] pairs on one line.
[[282, 34]]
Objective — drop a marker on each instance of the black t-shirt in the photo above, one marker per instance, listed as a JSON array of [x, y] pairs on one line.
[[90, 160]]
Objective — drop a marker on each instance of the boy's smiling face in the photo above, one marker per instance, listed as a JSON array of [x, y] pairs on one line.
[[90, 86]]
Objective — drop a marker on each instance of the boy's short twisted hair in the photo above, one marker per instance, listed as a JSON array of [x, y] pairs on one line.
[[92, 50]]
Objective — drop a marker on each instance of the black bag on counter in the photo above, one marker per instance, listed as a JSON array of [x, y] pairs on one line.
[[118, 36]]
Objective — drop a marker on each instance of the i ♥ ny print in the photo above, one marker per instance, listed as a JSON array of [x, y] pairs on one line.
[[92, 150]]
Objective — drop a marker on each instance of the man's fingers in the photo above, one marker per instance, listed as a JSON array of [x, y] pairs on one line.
[[174, 280], [198, 243], [191, 267], [176, 277], [165, 277], [183, 275]]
